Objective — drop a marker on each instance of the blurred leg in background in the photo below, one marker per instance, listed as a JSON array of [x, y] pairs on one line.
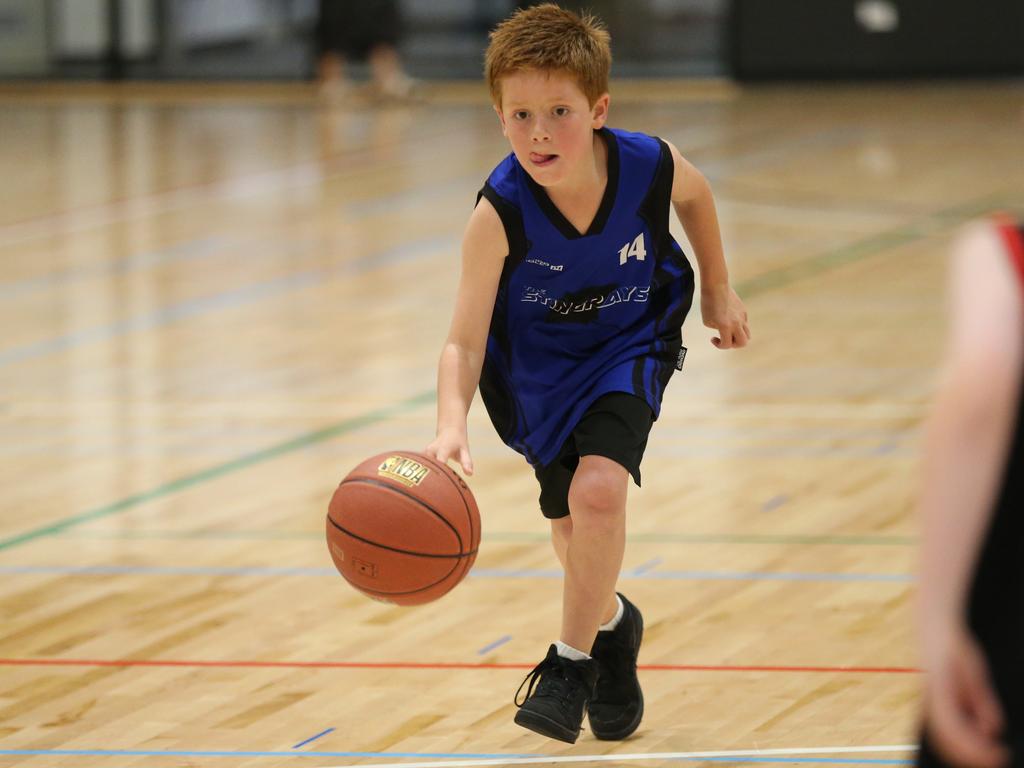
[[356, 31]]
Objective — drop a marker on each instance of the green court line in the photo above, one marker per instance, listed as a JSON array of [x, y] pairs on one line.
[[815, 265], [945, 219], [511, 537], [219, 470], [766, 281]]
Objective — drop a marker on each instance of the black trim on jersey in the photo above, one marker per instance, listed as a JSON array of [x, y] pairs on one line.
[[655, 211], [639, 388], [557, 218], [499, 399], [655, 207], [664, 371], [512, 221]]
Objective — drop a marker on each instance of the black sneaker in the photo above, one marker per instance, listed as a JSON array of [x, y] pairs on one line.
[[557, 707], [618, 703]]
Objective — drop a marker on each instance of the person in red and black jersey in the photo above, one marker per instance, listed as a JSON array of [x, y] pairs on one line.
[[972, 504]]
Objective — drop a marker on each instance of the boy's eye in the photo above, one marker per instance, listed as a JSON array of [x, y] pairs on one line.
[[521, 114], [561, 111]]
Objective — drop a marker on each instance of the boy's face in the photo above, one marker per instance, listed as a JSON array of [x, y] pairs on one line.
[[550, 123]]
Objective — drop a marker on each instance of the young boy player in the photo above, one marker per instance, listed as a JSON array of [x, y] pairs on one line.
[[568, 316]]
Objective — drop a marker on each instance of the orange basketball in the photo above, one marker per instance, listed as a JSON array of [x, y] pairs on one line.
[[403, 528]]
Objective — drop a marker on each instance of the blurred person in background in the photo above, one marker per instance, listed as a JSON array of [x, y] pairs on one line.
[[972, 504], [361, 30]]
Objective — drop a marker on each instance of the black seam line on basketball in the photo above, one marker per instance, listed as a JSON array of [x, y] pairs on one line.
[[365, 540], [749, 288], [447, 472], [424, 588], [371, 590], [406, 494]]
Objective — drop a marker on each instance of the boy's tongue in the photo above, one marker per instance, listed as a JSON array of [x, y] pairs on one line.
[[539, 159]]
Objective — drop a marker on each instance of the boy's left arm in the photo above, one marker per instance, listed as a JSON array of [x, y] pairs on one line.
[[720, 307]]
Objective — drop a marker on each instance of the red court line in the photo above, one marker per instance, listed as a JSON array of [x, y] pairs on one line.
[[57, 662]]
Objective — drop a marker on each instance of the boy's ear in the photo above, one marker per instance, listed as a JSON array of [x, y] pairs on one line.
[[599, 112], [501, 118]]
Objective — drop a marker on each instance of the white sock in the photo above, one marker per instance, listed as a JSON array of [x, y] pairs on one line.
[[568, 652], [615, 619]]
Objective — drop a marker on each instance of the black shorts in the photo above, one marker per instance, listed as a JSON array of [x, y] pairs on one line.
[[353, 28], [615, 426]]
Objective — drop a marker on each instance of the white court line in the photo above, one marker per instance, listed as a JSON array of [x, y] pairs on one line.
[[641, 756], [703, 410], [808, 411], [230, 190]]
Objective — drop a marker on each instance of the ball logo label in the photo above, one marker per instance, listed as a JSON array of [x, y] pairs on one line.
[[404, 470], [365, 568]]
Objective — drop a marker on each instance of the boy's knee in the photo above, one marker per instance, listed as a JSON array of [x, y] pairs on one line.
[[598, 490]]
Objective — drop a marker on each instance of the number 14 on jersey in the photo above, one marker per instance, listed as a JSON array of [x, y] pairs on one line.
[[636, 248]]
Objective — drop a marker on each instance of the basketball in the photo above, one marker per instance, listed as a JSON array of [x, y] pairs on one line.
[[403, 528]]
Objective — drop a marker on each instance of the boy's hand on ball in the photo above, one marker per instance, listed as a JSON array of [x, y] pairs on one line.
[[451, 444], [723, 311]]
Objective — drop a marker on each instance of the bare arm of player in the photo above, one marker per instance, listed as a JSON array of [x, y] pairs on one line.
[[694, 203], [484, 247], [966, 441]]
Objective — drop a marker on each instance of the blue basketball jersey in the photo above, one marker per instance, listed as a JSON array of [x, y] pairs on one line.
[[579, 315]]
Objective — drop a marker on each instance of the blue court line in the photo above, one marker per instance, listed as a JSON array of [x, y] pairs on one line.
[[16, 443], [159, 570], [644, 567], [312, 738], [901, 578], [502, 537], [490, 647], [225, 300], [428, 755], [476, 573], [774, 503], [247, 753], [781, 451], [191, 249], [164, 316]]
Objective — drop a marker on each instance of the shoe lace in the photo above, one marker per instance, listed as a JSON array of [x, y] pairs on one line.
[[556, 684]]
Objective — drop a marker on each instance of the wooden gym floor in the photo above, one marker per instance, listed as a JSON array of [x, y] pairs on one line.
[[215, 303]]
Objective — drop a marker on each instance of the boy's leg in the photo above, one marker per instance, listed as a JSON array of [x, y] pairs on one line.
[[559, 688], [561, 533], [597, 503], [617, 705], [615, 429], [583, 492]]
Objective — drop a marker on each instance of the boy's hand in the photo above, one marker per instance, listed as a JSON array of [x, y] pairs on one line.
[[451, 444], [723, 310], [962, 711]]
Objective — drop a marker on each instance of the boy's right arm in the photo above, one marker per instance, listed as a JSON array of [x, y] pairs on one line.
[[484, 248]]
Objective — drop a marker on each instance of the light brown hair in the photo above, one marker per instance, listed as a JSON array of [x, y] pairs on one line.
[[549, 38]]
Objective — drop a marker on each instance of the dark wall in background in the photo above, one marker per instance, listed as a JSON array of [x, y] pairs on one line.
[[875, 38]]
